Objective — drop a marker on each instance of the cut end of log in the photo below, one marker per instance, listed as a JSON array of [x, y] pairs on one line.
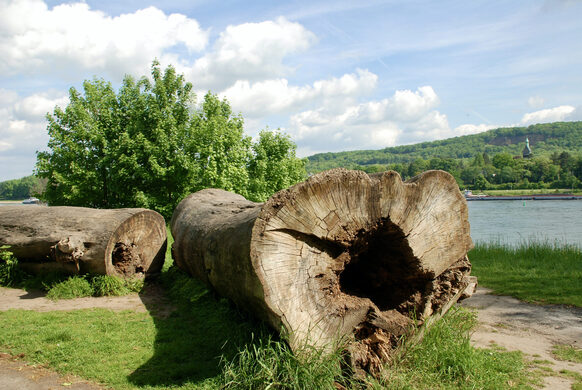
[[369, 257], [138, 246]]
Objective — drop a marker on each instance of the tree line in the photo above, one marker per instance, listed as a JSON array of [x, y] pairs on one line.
[[22, 188], [546, 139], [501, 171], [149, 145]]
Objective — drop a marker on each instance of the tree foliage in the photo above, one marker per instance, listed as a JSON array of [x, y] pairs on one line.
[[22, 188], [146, 146], [274, 165], [492, 159]]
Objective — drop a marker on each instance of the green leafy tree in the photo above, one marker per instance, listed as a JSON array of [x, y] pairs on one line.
[[502, 160], [481, 183], [222, 151], [146, 146], [470, 174], [274, 165], [78, 164], [416, 167], [478, 160]]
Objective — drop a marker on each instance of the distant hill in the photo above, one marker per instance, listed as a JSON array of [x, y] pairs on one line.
[[544, 140]]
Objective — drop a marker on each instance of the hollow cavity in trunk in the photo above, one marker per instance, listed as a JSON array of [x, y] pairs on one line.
[[383, 268]]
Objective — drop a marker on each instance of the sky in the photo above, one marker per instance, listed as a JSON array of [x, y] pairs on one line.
[[334, 75]]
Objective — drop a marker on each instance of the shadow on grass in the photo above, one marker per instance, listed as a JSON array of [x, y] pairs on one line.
[[192, 339]]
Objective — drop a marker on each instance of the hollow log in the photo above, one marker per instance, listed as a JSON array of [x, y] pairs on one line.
[[78, 240], [341, 255]]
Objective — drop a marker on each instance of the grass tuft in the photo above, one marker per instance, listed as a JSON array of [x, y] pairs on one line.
[[10, 273], [73, 287], [567, 353], [445, 359], [107, 285], [268, 363], [537, 272]]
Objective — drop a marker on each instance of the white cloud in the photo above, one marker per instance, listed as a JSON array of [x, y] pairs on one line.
[[405, 117], [555, 114], [23, 128], [250, 52], [277, 96], [39, 40]]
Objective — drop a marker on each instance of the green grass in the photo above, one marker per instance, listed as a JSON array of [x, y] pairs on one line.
[[74, 287], [533, 272], [128, 350], [576, 377], [445, 359], [567, 353], [207, 343], [270, 363], [61, 286], [210, 346]]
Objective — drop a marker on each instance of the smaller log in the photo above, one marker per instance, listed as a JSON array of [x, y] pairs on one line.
[[79, 240]]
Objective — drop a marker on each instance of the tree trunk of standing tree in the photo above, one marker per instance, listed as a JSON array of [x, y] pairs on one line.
[[78, 240], [343, 254]]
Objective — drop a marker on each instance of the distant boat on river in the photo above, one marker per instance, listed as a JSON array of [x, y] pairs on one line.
[[31, 201]]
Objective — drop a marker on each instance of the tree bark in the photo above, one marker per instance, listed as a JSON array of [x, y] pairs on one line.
[[343, 254], [78, 240]]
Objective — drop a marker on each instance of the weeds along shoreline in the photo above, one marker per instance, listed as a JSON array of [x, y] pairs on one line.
[[208, 343], [532, 271]]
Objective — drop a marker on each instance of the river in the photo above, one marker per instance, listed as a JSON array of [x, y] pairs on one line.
[[515, 221]]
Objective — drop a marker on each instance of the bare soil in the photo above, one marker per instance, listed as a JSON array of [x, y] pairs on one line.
[[532, 329], [503, 321], [150, 300]]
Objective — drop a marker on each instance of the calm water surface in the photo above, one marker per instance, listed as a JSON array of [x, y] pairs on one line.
[[515, 221]]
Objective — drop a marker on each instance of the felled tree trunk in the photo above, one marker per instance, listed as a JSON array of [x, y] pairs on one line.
[[343, 254], [78, 240]]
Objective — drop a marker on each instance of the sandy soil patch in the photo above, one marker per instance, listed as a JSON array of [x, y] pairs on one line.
[[15, 374], [532, 329], [151, 299]]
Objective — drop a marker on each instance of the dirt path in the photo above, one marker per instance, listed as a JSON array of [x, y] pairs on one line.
[[152, 300], [18, 375], [503, 321], [532, 329]]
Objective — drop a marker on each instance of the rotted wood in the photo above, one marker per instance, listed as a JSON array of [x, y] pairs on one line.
[[78, 240], [342, 255]]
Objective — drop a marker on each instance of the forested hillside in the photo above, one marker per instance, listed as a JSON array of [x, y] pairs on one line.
[[485, 160], [545, 139], [23, 188]]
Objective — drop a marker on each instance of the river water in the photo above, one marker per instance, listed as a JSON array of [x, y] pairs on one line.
[[515, 221]]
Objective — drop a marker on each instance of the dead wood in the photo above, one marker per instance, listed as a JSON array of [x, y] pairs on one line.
[[78, 240], [343, 254]]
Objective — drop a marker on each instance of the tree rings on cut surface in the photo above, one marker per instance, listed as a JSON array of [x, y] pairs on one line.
[[78, 240], [343, 254]]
